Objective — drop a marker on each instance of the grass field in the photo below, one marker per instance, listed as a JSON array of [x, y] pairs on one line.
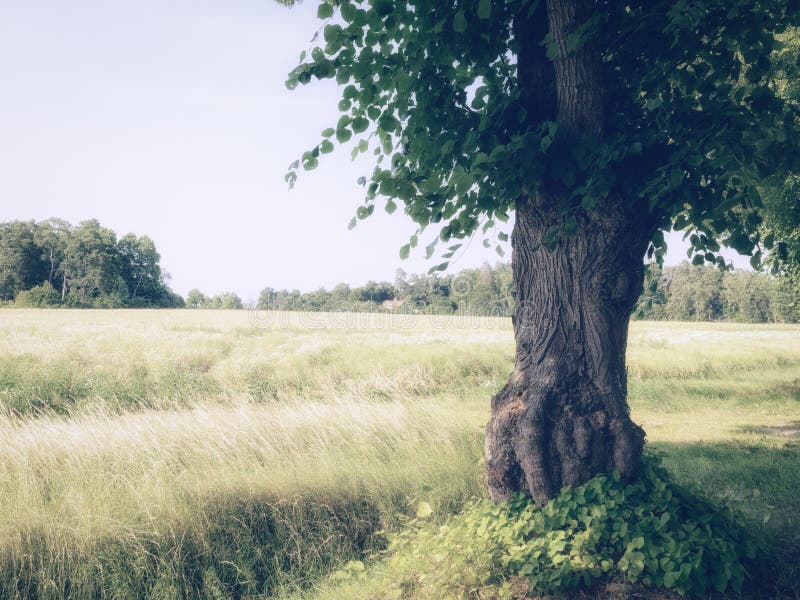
[[212, 454]]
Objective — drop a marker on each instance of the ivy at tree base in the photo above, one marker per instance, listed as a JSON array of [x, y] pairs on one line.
[[649, 532]]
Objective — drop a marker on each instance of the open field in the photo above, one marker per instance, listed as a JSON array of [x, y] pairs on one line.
[[170, 454]]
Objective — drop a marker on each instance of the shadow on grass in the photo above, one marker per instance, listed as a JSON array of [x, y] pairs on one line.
[[760, 483], [790, 430], [237, 547]]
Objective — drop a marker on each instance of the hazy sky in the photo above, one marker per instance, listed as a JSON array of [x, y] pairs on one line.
[[171, 119]]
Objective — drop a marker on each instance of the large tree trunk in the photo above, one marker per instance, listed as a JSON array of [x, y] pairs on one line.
[[563, 416]]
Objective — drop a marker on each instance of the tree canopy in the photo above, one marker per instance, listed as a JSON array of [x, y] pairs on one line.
[[697, 128]]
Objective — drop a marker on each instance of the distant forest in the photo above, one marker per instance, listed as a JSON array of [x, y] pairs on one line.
[[685, 292], [53, 263]]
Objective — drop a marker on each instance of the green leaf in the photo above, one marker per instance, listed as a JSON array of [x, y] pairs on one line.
[[325, 11], [331, 33], [350, 92], [460, 22], [484, 9], [391, 206], [328, 132], [326, 147], [430, 248], [653, 103], [343, 135], [360, 124], [670, 578], [405, 250]]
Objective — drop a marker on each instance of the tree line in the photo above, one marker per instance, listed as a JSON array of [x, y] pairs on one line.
[[484, 291], [688, 292], [685, 292], [53, 263]]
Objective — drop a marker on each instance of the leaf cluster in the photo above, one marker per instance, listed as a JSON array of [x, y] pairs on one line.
[[695, 122]]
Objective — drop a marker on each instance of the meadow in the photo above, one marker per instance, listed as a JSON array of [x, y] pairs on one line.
[[227, 454]]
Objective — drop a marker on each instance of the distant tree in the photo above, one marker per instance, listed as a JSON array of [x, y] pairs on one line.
[[267, 299], [196, 299], [401, 286], [340, 297], [786, 299], [747, 297], [652, 303], [39, 296], [21, 264], [317, 300], [51, 237], [375, 292], [139, 267], [91, 267], [226, 301]]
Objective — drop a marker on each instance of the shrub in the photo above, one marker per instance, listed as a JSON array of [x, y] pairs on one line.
[[38, 296]]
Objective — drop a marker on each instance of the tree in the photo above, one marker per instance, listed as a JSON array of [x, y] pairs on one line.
[[197, 299], [51, 236], [91, 267], [652, 301], [600, 125], [140, 266], [747, 297], [227, 301], [21, 264], [376, 292]]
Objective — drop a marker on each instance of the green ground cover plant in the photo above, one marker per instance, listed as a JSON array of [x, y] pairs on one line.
[[650, 530]]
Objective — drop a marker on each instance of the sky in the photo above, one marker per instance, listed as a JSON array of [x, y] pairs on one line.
[[171, 119]]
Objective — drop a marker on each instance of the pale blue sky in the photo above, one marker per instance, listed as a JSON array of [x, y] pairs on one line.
[[170, 118]]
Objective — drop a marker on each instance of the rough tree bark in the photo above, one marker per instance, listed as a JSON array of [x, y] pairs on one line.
[[563, 415]]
